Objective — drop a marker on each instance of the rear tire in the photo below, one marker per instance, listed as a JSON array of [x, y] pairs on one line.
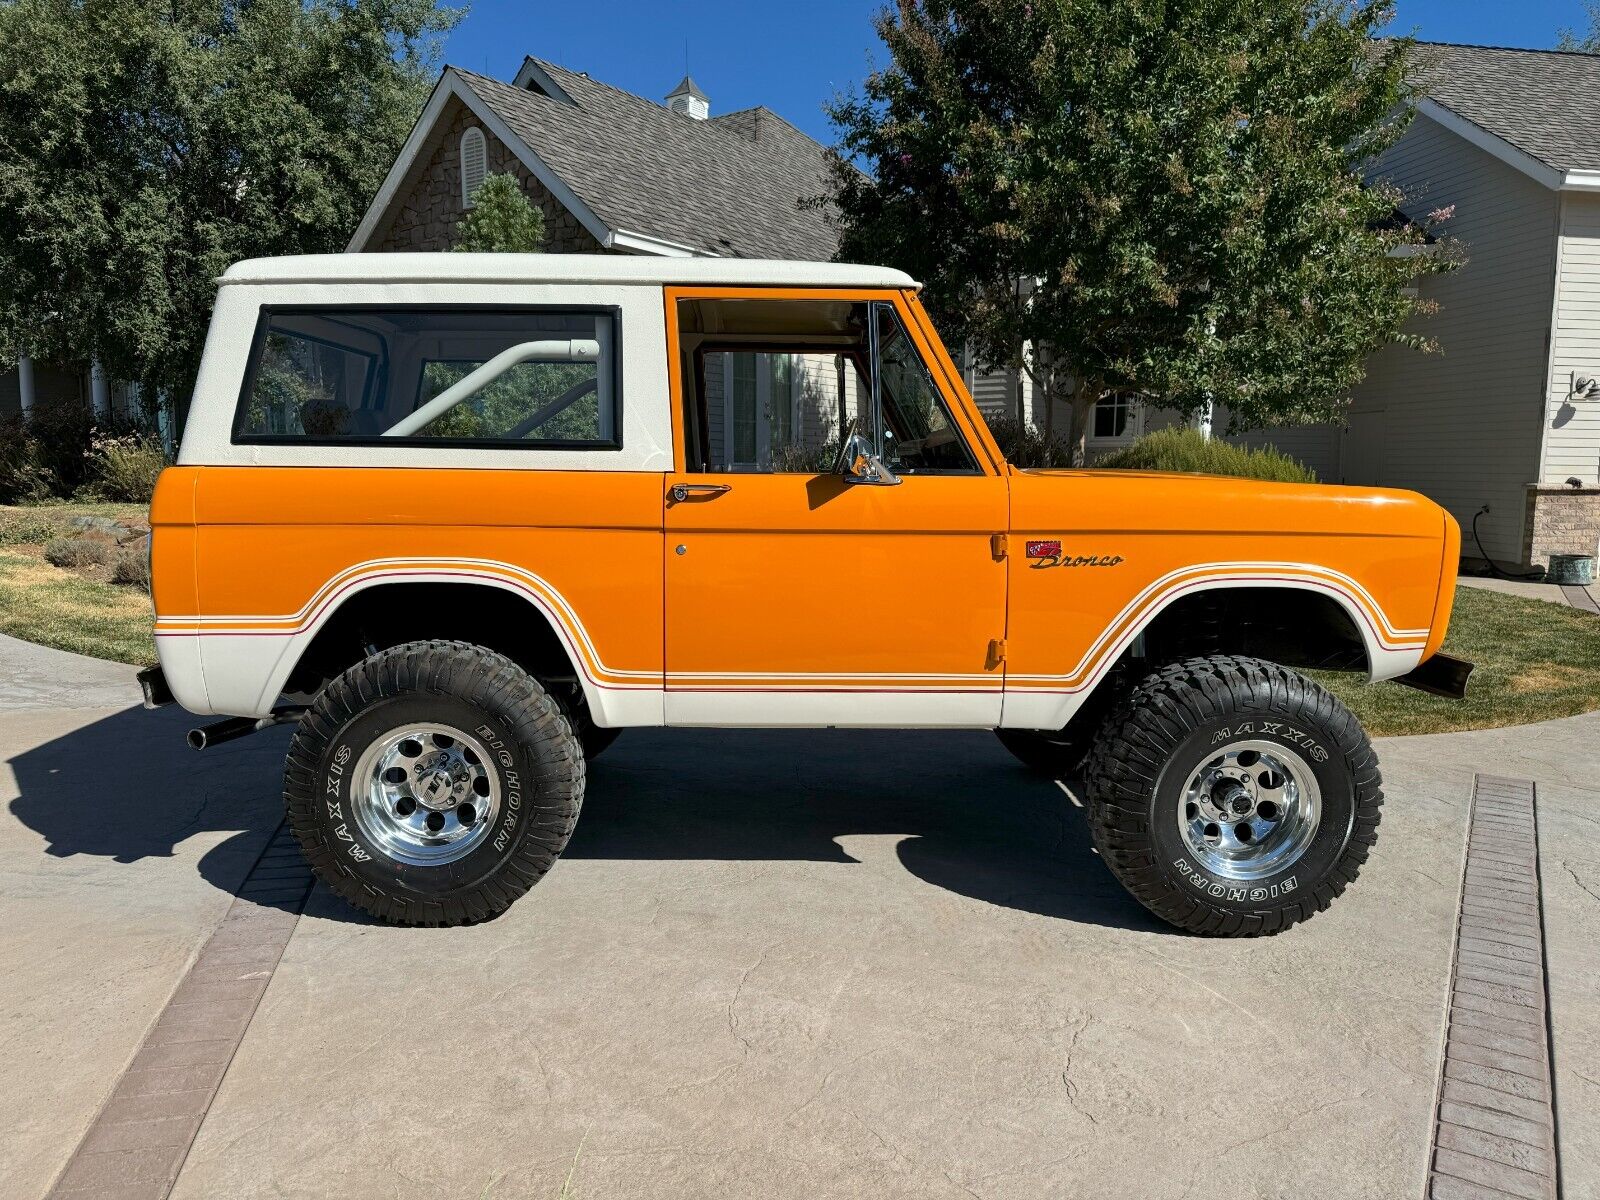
[[433, 783], [1232, 796]]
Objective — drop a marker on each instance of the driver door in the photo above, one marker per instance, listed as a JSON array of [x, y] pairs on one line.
[[792, 596]]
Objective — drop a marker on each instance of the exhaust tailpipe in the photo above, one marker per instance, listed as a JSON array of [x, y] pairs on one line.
[[232, 728]]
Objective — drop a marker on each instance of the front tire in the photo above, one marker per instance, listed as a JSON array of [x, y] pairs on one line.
[[433, 783], [1057, 755], [1232, 796]]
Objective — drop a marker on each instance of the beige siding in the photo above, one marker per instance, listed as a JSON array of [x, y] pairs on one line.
[[1572, 437], [1317, 446], [1461, 426], [995, 393]]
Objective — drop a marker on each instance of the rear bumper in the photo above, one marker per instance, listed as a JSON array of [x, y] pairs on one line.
[[1440, 675]]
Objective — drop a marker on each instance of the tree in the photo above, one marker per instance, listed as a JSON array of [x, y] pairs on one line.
[[502, 220], [1587, 43], [1166, 197], [145, 146]]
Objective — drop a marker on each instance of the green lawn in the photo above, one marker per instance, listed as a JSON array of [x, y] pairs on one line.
[[34, 523], [1535, 660], [45, 604]]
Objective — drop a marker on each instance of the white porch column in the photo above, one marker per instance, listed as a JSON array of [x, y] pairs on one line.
[[25, 384], [100, 390]]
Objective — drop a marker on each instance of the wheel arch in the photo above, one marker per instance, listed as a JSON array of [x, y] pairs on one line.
[[496, 613], [1299, 623]]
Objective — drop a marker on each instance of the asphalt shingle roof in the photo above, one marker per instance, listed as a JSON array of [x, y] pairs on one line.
[[732, 185], [1544, 102]]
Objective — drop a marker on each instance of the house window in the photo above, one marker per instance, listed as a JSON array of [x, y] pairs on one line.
[[474, 163], [1116, 417]]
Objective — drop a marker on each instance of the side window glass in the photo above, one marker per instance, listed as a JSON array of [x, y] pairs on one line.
[[778, 413], [774, 386], [427, 375], [771, 385]]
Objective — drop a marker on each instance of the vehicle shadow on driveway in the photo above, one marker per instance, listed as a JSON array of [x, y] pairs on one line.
[[968, 818], [127, 787]]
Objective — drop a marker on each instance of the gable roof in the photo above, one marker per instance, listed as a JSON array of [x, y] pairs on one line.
[[641, 176], [1543, 105]]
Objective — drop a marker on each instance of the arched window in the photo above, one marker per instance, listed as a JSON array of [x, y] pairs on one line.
[[474, 163]]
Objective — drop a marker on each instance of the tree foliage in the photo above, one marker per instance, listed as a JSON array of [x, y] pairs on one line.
[[1587, 42], [1163, 195], [502, 220], [144, 146]]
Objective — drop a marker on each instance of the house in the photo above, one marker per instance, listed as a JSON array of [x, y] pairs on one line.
[[32, 384], [1501, 426], [1503, 418], [613, 172]]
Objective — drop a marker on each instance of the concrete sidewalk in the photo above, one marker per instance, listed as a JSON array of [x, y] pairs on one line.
[[776, 964]]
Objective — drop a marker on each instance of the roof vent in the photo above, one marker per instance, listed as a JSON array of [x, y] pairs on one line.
[[689, 100]]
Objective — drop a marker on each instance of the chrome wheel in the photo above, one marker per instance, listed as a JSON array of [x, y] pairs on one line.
[[425, 795], [1250, 810]]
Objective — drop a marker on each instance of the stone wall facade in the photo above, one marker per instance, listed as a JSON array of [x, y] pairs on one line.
[[1560, 520], [427, 208]]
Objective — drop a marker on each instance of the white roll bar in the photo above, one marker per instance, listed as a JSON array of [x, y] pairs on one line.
[[556, 350]]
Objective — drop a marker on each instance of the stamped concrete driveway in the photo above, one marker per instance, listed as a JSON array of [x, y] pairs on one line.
[[770, 964]]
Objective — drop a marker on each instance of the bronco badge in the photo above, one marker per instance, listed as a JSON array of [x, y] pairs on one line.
[[1047, 553]]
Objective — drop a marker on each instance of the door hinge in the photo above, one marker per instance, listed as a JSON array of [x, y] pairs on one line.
[[997, 652], [997, 545]]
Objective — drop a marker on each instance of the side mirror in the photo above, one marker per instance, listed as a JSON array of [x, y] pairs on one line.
[[859, 464]]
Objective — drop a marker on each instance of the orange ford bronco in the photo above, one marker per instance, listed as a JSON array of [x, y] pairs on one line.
[[461, 519]]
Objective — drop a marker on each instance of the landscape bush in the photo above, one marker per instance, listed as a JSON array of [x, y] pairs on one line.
[[1026, 446], [131, 567], [1184, 449], [76, 552], [62, 452], [123, 469]]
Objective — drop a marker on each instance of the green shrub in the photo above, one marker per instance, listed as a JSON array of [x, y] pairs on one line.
[[26, 526], [1025, 446], [47, 455], [123, 469], [76, 552], [1183, 449], [131, 567]]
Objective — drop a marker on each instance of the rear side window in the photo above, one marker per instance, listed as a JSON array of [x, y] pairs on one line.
[[437, 376]]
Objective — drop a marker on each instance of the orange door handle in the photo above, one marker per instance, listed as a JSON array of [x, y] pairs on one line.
[[682, 491]]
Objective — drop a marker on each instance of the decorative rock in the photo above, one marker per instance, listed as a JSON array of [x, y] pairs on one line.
[[100, 525]]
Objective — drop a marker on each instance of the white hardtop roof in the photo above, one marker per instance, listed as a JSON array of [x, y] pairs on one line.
[[450, 267]]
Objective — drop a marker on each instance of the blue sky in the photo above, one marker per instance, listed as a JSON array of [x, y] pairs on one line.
[[791, 55]]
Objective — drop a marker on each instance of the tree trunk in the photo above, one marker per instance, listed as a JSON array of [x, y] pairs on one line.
[[1083, 401]]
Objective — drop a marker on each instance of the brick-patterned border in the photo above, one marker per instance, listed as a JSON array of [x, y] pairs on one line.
[[1494, 1126], [138, 1141], [1581, 597]]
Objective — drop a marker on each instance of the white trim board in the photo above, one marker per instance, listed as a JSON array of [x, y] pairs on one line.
[[1512, 156]]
